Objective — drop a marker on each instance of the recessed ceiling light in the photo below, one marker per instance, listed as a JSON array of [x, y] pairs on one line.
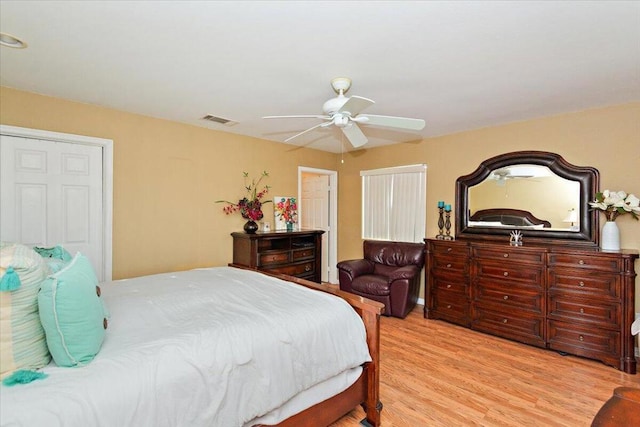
[[10, 41]]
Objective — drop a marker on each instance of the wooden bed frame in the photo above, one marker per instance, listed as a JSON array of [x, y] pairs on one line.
[[366, 390], [516, 214]]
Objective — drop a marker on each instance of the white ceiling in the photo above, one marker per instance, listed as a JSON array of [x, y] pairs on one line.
[[459, 65]]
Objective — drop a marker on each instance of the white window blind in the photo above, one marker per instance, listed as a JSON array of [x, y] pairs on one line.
[[394, 203]]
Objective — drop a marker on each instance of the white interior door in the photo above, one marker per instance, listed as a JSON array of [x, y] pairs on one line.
[[52, 193], [317, 212]]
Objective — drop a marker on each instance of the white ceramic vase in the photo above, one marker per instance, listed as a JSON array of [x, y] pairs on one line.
[[610, 238]]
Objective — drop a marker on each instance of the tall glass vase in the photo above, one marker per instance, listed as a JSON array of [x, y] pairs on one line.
[[610, 237]]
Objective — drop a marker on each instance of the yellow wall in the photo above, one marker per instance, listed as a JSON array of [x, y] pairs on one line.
[[167, 174]]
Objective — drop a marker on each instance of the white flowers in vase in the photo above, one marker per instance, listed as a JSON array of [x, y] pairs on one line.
[[615, 203]]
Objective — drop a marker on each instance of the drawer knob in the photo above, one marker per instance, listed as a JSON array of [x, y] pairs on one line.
[[449, 306], [581, 284], [506, 297], [307, 268], [581, 262], [581, 338], [448, 286], [505, 274], [449, 249], [505, 320], [582, 311], [506, 255], [448, 265]]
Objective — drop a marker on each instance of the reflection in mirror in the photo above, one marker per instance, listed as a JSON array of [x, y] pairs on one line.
[[553, 200], [535, 191]]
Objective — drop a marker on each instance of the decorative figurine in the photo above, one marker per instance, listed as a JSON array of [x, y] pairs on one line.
[[516, 238]]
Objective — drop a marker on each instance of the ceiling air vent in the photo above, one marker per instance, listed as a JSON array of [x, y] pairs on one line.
[[220, 120]]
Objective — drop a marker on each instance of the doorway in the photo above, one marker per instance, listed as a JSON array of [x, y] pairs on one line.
[[318, 200]]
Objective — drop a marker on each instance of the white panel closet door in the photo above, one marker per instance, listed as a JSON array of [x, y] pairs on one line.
[[51, 193]]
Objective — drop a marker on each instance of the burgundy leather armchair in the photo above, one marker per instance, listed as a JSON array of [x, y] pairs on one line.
[[389, 273]]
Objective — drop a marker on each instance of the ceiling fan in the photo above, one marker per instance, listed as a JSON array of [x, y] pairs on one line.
[[344, 112]]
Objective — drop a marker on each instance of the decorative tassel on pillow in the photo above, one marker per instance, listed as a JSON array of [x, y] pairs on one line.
[[10, 281], [23, 376]]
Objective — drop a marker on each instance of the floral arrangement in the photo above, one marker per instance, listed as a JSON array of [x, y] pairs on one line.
[[287, 210], [615, 203], [250, 206]]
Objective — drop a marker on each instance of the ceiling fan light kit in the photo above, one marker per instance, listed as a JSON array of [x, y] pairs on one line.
[[344, 113]]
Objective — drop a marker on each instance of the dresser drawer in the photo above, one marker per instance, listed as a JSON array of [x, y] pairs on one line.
[[301, 254], [508, 298], [443, 286], [588, 283], [508, 253], [509, 272], [302, 269], [450, 248], [568, 308], [445, 263], [596, 261], [452, 308], [585, 341], [273, 257], [528, 329]]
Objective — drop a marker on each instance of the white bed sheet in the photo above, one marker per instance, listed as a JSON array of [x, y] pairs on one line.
[[207, 347]]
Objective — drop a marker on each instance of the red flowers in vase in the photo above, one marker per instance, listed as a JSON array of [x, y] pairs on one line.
[[250, 206]]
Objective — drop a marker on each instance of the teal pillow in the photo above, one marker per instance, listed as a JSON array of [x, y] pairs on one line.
[[56, 252], [56, 258], [72, 313]]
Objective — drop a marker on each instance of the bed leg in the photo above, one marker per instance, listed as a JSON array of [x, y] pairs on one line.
[[366, 422]]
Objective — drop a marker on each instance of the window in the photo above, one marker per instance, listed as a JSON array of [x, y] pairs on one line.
[[394, 203]]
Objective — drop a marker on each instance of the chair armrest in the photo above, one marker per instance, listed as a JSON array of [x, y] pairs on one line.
[[356, 267], [406, 272]]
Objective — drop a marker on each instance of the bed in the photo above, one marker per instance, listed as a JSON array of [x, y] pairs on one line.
[[220, 346], [505, 217]]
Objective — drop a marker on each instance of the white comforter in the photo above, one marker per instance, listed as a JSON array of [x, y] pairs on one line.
[[206, 347]]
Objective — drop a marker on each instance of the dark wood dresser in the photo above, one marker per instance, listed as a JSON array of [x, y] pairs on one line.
[[574, 300], [296, 253]]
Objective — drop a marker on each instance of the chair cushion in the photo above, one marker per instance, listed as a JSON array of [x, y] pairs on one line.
[[384, 270], [371, 285], [396, 254]]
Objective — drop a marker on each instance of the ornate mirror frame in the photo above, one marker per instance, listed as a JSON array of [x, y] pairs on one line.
[[588, 177]]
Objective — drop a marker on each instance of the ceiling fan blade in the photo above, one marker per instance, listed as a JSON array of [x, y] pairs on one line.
[[354, 135], [355, 104], [303, 132], [390, 121], [307, 116]]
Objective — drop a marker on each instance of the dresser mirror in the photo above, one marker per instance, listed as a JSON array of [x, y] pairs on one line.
[[536, 192]]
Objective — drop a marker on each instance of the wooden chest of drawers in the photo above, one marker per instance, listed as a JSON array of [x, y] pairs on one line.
[[449, 279], [577, 301], [296, 253]]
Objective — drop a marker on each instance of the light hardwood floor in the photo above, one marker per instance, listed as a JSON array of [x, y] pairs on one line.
[[437, 374]]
